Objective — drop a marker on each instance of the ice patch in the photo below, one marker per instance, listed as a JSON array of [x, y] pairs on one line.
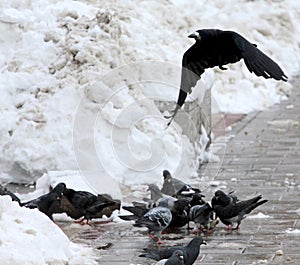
[[259, 215], [292, 231]]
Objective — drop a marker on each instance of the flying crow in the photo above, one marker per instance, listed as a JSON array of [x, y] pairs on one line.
[[216, 47]]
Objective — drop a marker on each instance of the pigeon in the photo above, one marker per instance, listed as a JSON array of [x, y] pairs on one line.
[[174, 187], [190, 251], [175, 259], [155, 192], [156, 220], [5, 191], [233, 213], [201, 215], [87, 205], [214, 47], [48, 203], [178, 208]]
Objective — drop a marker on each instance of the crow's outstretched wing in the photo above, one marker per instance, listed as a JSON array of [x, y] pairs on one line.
[[256, 61]]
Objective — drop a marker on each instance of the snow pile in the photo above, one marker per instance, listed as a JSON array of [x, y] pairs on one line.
[[78, 79], [29, 237]]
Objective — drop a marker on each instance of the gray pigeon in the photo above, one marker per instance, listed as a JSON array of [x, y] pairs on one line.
[[201, 215], [190, 252], [233, 213], [173, 186], [156, 220], [175, 259], [155, 193]]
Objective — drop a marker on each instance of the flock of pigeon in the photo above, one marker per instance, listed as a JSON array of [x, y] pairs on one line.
[[173, 206], [79, 205], [177, 204]]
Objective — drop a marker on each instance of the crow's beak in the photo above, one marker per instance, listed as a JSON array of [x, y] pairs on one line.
[[193, 35]]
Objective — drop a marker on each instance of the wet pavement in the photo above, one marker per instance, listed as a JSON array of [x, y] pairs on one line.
[[263, 157]]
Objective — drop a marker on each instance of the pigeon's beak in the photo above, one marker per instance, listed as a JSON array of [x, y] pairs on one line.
[[181, 257], [204, 242]]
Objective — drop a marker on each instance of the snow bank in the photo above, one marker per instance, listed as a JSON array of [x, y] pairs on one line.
[[30, 237], [78, 79]]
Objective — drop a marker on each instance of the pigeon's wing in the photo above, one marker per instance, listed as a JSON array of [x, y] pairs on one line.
[[256, 61], [156, 219], [228, 212], [83, 199], [68, 208], [98, 206], [162, 253]]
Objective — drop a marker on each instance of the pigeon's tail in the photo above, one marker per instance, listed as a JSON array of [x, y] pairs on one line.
[[255, 205], [130, 217], [151, 254], [136, 210]]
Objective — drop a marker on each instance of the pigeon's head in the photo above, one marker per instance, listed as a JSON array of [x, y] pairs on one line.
[[219, 194], [196, 241], [179, 254], [153, 187], [221, 198], [195, 35], [59, 188], [166, 174]]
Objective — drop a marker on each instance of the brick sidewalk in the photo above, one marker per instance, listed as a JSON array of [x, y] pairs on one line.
[[262, 158]]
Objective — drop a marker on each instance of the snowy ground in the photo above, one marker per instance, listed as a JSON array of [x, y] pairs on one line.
[[78, 79]]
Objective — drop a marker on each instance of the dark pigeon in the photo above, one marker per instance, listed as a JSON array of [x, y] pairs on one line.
[[201, 215], [190, 251], [214, 47], [233, 213], [87, 205], [156, 220], [48, 203], [175, 259], [5, 191]]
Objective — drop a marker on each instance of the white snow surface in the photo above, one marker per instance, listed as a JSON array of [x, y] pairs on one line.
[[78, 79], [29, 237]]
